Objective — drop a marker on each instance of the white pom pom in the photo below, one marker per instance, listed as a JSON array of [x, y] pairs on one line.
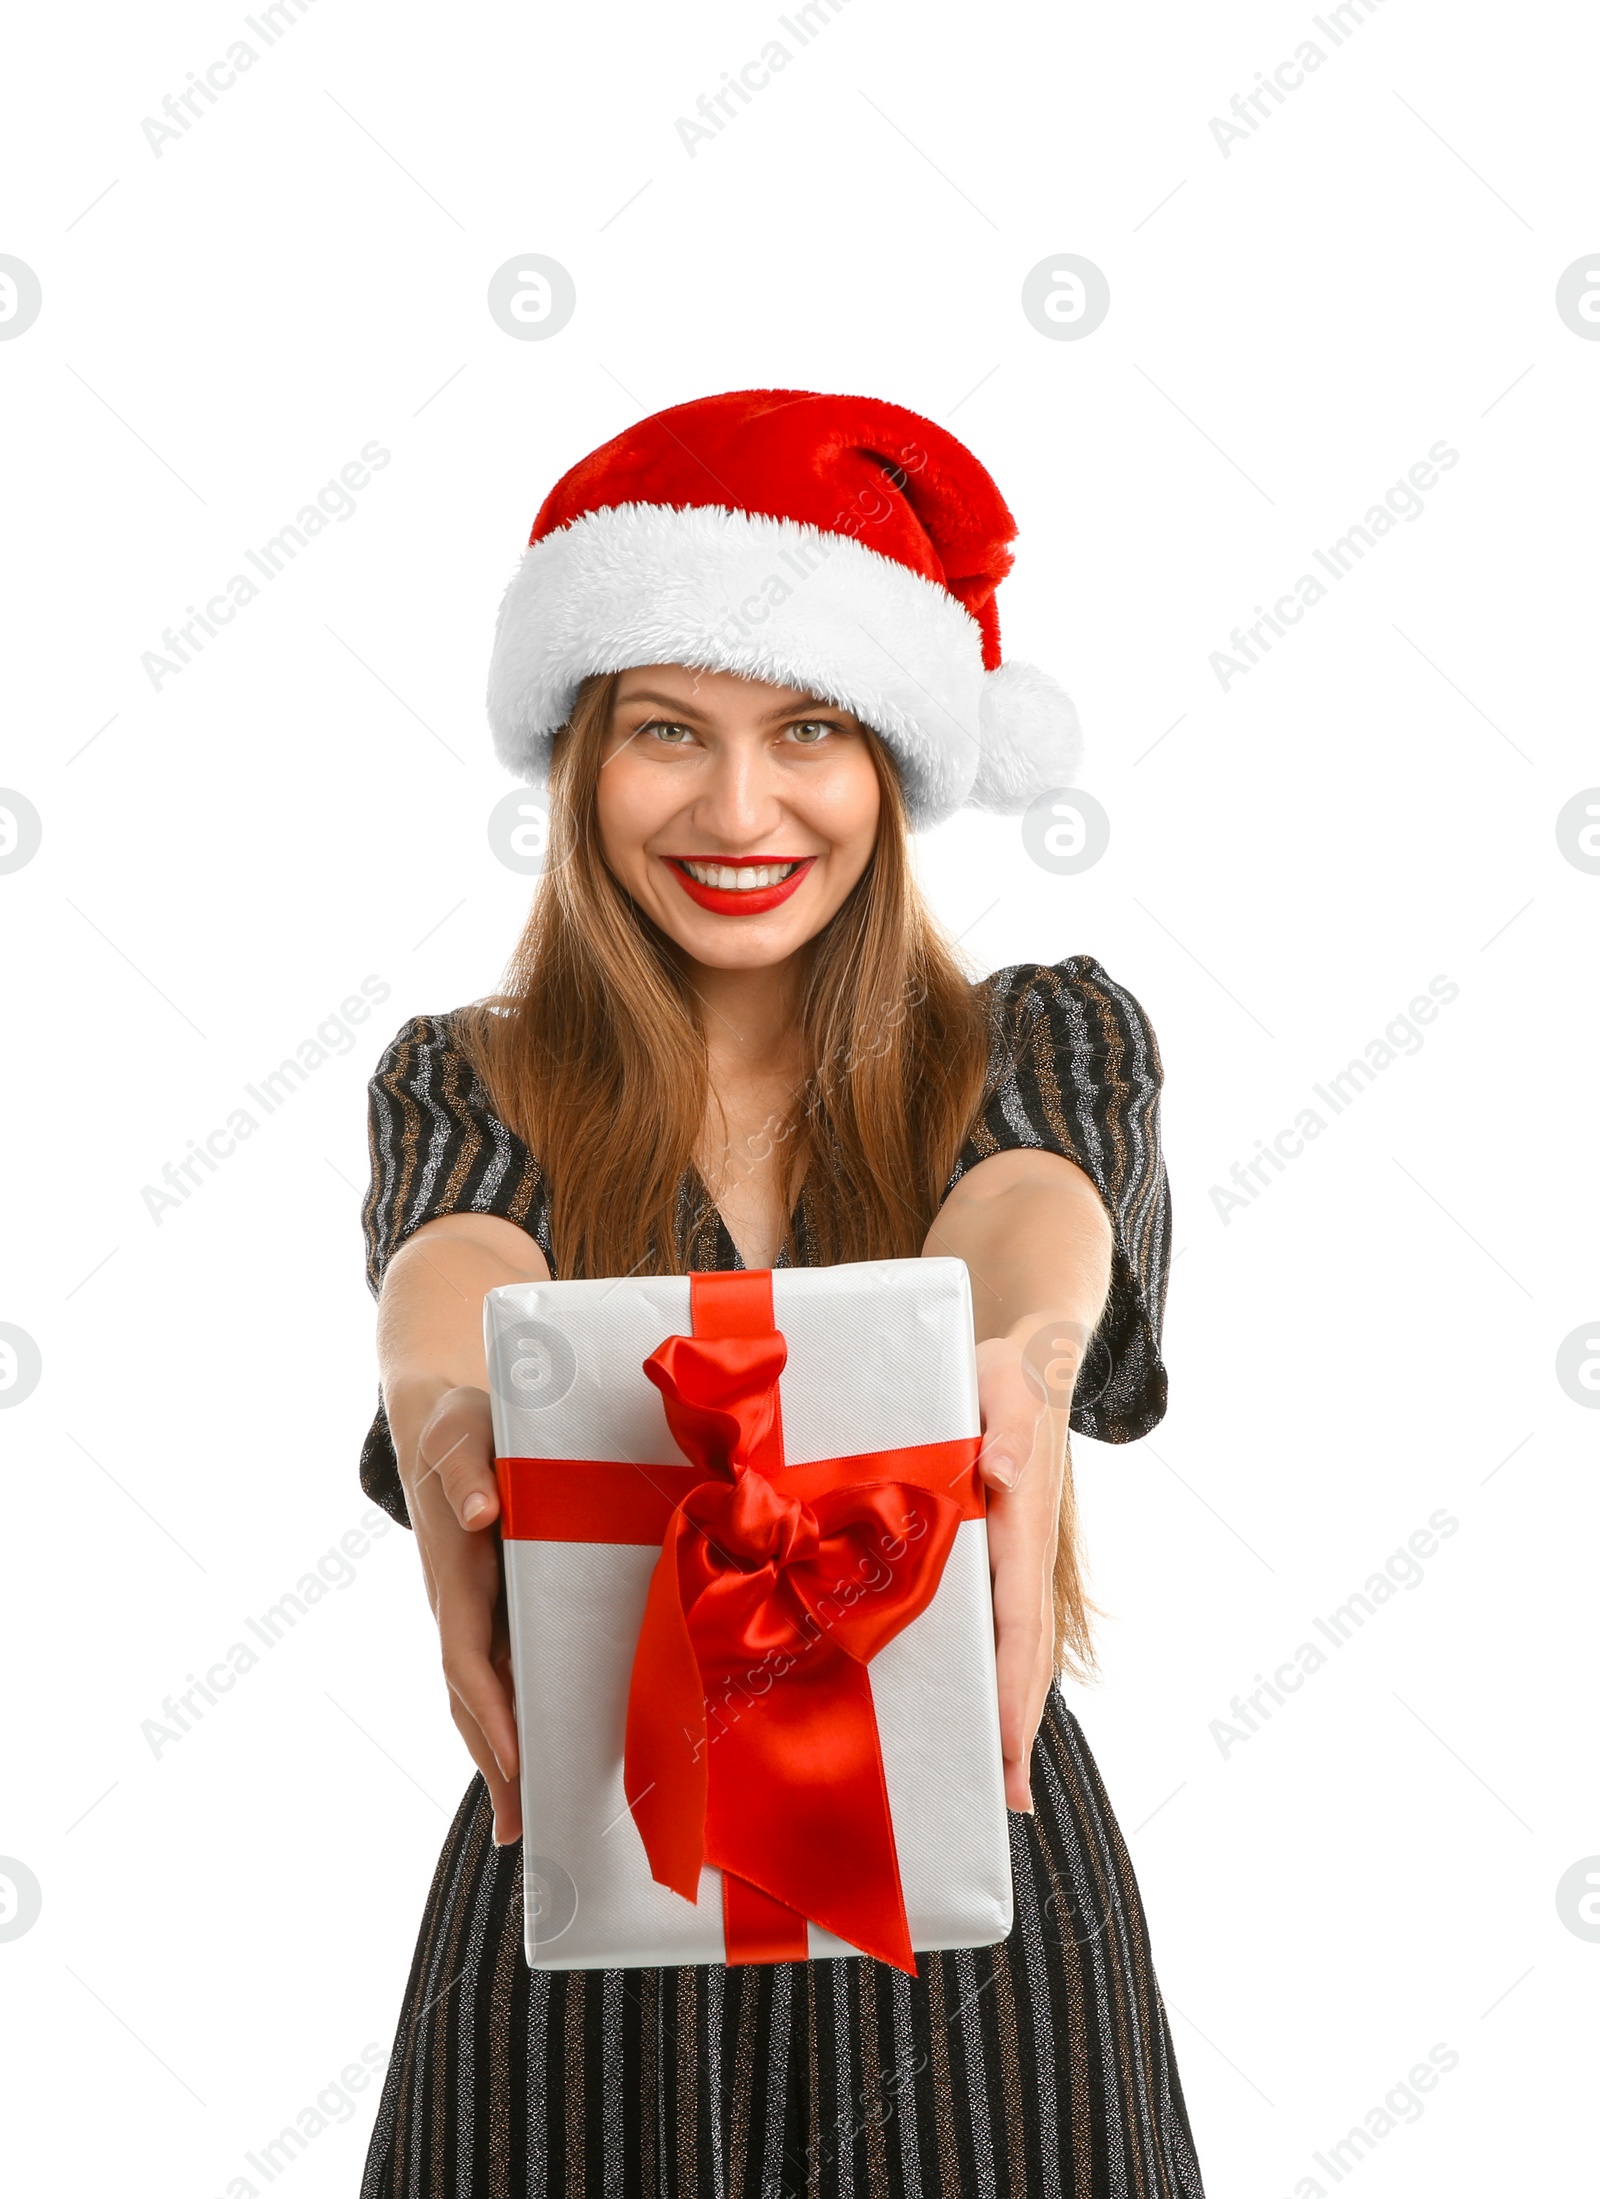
[[1030, 738]]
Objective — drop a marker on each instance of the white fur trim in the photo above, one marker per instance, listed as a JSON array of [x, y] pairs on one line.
[[736, 592], [1031, 738]]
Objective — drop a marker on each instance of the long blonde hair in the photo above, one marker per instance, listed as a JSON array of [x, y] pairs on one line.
[[594, 1053]]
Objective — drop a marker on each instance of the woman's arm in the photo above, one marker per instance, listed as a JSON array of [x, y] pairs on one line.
[[1037, 1242], [435, 1391]]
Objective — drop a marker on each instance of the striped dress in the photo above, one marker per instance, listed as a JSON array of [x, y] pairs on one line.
[[1039, 2066]]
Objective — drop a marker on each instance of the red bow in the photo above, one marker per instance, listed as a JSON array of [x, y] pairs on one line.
[[752, 1744]]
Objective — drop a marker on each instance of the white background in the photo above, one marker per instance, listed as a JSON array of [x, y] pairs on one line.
[[1292, 326]]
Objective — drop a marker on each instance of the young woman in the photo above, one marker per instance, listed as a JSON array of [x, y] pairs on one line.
[[753, 643]]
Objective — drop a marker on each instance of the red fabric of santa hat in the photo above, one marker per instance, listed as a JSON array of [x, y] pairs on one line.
[[837, 544]]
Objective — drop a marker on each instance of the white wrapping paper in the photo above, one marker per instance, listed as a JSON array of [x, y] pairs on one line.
[[880, 1356]]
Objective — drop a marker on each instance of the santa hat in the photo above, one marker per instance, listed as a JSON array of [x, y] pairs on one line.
[[837, 544]]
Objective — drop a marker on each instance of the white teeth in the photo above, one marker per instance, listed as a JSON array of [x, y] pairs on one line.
[[747, 879]]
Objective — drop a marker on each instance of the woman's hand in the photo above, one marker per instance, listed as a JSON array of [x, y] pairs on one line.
[[1021, 1461], [430, 1350], [454, 1504], [1036, 1240]]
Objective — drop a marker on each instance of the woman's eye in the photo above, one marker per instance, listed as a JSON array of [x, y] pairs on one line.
[[811, 730], [662, 730]]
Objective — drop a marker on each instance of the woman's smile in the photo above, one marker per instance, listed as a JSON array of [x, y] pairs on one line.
[[739, 885]]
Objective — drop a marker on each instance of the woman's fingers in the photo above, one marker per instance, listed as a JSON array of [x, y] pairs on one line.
[[456, 1448], [462, 1571], [1010, 1410], [452, 1498], [1021, 1709], [1024, 1666], [505, 1796], [1020, 1462], [470, 1617], [477, 1687], [477, 1673]]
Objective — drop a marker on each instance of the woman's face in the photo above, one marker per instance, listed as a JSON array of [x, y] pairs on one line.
[[738, 815]]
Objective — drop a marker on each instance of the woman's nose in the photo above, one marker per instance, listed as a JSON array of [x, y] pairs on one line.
[[740, 802]]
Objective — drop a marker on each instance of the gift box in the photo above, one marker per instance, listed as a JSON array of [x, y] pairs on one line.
[[752, 1637]]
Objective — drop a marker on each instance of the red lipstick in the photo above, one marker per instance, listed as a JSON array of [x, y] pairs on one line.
[[728, 900]]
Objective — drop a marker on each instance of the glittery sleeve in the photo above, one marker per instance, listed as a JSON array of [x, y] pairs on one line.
[[437, 1147], [1076, 1071]]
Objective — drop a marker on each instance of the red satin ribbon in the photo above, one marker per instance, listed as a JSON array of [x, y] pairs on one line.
[[752, 1743]]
